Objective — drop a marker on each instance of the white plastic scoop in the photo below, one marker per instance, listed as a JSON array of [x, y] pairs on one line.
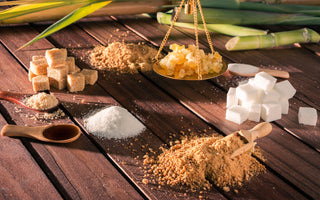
[[239, 69]]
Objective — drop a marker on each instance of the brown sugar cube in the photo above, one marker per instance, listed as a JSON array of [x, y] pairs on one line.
[[58, 77], [56, 56], [90, 75], [38, 57], [71, 64], [39, 67], [75, 82], [31, 75], [76, 70], [40, 83]]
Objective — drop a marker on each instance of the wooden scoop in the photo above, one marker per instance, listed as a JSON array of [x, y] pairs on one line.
[[19, 98], [249, 136], [56, 133], [239, 69]]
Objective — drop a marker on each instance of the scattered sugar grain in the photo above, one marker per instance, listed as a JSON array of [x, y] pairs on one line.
[[113, 122]]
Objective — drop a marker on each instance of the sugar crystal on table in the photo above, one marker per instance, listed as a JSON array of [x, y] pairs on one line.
[[285, 89], [270, 112], [39, 67], [40, 83], [58, 77], [307, 116], [264, 81], [232, 99], [284, 102], [75, 82], [254, 112], [248, 93], [56, 56], [237, 114], [271, 96]]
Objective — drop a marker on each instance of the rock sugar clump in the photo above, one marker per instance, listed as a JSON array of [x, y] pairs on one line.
[[197, 162]]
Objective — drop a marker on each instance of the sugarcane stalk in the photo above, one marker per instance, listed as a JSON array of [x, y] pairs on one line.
[[115, 8], [297, 2], [227, 29], [304, 35], [245, 17], [280, 8]]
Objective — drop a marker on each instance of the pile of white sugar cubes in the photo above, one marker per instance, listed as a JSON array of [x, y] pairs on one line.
[[263, 97]]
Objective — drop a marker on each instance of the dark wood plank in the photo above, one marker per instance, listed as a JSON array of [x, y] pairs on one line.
[[78, 170], [199, 98], [140, 89], [311, 136], [21, 176]]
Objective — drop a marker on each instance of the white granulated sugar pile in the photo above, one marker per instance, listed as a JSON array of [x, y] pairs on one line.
[[113, 122]]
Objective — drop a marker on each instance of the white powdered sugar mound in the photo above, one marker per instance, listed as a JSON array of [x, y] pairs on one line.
[[113, 122]]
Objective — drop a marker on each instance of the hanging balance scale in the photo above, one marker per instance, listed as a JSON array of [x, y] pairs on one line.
[[198, 71]]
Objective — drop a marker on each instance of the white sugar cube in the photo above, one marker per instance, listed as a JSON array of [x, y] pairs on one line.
[[243, 82], [307, 116], [237, 114], [270, 96], [284, 102], [264, 81], [232, 99], [270, 112], [254, 112], [251, 81], [248, 93], [285, 89]]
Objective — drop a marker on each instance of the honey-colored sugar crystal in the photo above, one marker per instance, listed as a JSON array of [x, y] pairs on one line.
[[39, 67], [75, 82], [40, 83], [91, 76], [56, 56]]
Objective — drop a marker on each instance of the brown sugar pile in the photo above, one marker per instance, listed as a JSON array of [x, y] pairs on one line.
[[199, 161], [123, 57], [41, 101]]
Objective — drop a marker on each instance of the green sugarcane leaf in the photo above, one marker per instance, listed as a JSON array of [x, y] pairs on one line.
[[69, 19], [30, 8]]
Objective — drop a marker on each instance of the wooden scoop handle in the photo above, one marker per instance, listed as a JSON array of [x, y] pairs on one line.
[[276, 73], [260, 130], [19, 131]]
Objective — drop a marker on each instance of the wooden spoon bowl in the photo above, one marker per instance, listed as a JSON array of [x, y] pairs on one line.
[[19, 98]]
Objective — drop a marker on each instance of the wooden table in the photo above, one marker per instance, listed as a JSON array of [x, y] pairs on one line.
[[93, 168]]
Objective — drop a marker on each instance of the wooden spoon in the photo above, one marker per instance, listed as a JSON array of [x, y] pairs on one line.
[[56, 133], [20, 98], [239, 69], [249, 136]]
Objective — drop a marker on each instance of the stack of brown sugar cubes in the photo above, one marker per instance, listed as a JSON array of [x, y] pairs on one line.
[[59, 71]]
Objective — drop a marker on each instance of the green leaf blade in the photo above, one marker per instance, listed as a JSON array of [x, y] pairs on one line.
[[69, 19]]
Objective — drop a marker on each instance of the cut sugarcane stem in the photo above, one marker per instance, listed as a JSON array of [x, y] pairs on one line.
[[248, 17], [304, 35], [227, 29], [298, 2], [115, 8]]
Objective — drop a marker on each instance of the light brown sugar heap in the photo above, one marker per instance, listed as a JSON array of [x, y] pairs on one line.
[[199, 161], [123, 57], [41, 101]]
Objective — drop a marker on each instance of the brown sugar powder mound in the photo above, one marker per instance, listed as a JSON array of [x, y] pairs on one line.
[[123, 57], [199, 161]]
